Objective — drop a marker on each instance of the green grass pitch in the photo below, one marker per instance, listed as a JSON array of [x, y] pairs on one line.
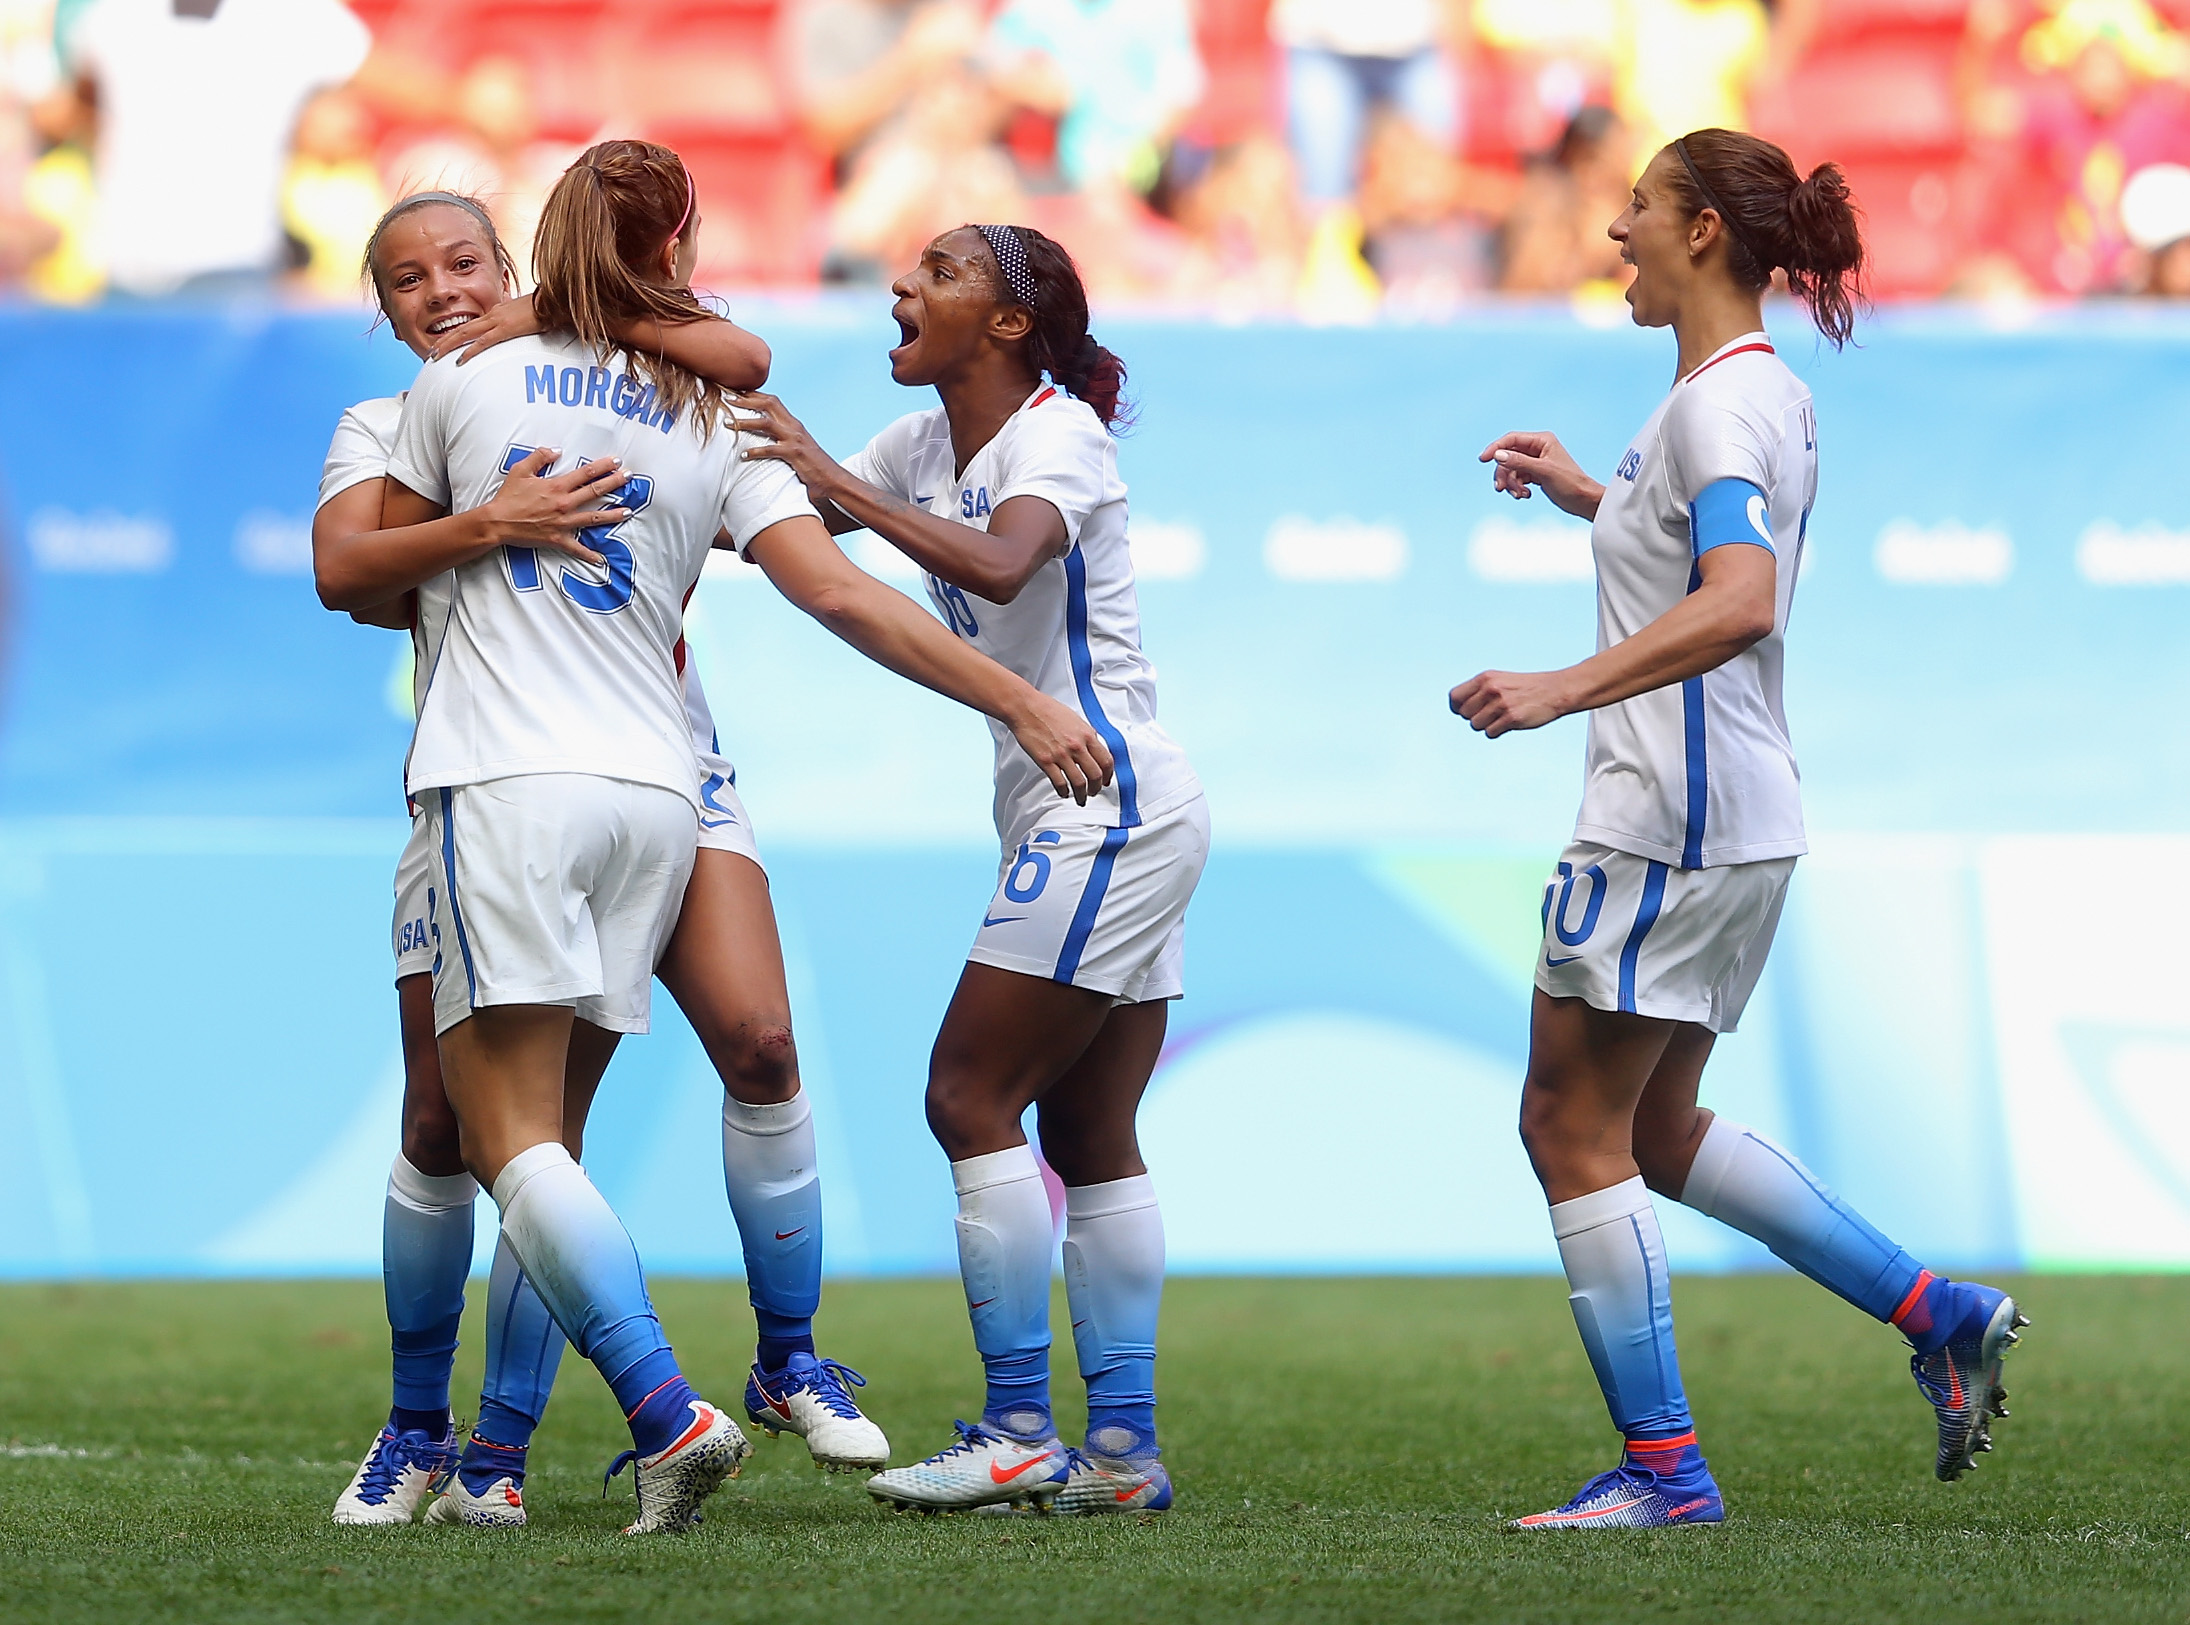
[[1345, 1450]]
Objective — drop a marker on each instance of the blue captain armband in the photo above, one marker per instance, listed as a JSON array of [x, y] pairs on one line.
[[1729, 511]]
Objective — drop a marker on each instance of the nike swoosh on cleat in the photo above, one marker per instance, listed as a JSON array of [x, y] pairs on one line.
[[1554, 964], [983, 1304], [1001, 919], [996, 1468], [786, 1235], [1127, 1495]]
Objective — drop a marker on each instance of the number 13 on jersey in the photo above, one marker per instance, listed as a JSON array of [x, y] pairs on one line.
[[601, 597]]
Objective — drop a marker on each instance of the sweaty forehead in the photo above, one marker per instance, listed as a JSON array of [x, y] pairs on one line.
[[962, 246]]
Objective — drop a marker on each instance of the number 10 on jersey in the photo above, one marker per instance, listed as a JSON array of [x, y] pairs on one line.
[[601, 597]]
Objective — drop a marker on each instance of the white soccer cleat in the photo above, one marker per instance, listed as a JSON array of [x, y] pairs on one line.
[[396, 1476], [673, 1482], [981, 1469], [1095, 1485], [812, 1398], [502, 1506]]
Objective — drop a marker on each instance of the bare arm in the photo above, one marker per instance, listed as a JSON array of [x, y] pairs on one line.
[[1535, 457], [709, 347], [1024, 533], [411, 540], [890, 629], [1733, 607]]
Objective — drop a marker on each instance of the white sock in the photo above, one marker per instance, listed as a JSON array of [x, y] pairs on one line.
[[579, 1258], [768, 1167], [1622, 1299], [1005, 1235], [1113, 1257]]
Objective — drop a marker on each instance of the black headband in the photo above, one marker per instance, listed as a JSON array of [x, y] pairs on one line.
[[1711, 201], [1011, 259]]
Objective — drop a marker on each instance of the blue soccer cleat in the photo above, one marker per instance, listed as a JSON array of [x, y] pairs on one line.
[[1659, 1484], [813, 1399], [397, 1475], [1961, 1378]]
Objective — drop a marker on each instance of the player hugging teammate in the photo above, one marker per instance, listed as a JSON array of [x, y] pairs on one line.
[[561, 733]]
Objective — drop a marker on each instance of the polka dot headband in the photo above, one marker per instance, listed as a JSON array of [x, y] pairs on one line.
[[1011, 258]]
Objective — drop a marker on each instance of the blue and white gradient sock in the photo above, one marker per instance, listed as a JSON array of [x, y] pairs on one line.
[[1113, 1257], [1005, 1238], [1742, 1179], [425, 1255], [1623, 1305], [579, 1258], [524, 1348], [769, 1169]]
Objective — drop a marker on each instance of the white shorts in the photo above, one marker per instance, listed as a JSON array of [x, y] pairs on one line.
[[555, 888], [415, 948], [1099, 907], [1630, 933], [723, 823]]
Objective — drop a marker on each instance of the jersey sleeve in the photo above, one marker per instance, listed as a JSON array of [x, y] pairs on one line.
[[885, 462], [761, 494], [357, 454], [420, 455], [1716, 435], [1062, 456]]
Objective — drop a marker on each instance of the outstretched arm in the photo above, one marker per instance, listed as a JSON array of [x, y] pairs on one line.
[[407, 539], [1024, 533], [710, 347], [1734, 605], [890, 629]]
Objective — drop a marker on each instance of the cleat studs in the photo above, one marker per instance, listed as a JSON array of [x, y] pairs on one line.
[[2022, 1320]]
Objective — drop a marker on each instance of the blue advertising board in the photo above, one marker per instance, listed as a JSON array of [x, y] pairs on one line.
[[1973, 1021]]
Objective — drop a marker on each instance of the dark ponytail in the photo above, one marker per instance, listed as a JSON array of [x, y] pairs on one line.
[[1777, 221], [1060, 344]]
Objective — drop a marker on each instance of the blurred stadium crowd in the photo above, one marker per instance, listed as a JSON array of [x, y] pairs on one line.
[[1330, 157]]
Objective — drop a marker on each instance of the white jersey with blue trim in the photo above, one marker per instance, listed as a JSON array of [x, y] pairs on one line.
[[1702, 773], [545, 664], [1074, 631]]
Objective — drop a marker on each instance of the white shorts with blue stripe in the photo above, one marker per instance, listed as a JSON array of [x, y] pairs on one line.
[[1630, 933], [1100, 907], [415, 947], [554, 888]]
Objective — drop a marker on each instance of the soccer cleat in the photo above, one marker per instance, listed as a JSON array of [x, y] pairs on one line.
[[500, 1506], [673, 1482], [1961, 1378], [1095, 1485], [397, 1474], [982, 1469], [809, 1397], [1631, 1497]]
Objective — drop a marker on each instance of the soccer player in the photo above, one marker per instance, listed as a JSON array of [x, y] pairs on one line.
[[1658, 919], [554, 749], [1008, 496], [436, 262]]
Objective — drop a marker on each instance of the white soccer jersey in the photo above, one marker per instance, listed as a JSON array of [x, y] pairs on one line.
[[546, 665], [1701, 773], [1075, 631], [363, 441]]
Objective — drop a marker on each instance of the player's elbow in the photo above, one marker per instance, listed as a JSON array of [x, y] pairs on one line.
[[1750, 622]]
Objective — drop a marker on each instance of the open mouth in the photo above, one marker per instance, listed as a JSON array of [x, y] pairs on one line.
[[449, 324], [908, 330]]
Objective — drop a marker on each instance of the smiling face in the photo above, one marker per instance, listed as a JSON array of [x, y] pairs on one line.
[[948, 310], [436, 271], [1656, 234]]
